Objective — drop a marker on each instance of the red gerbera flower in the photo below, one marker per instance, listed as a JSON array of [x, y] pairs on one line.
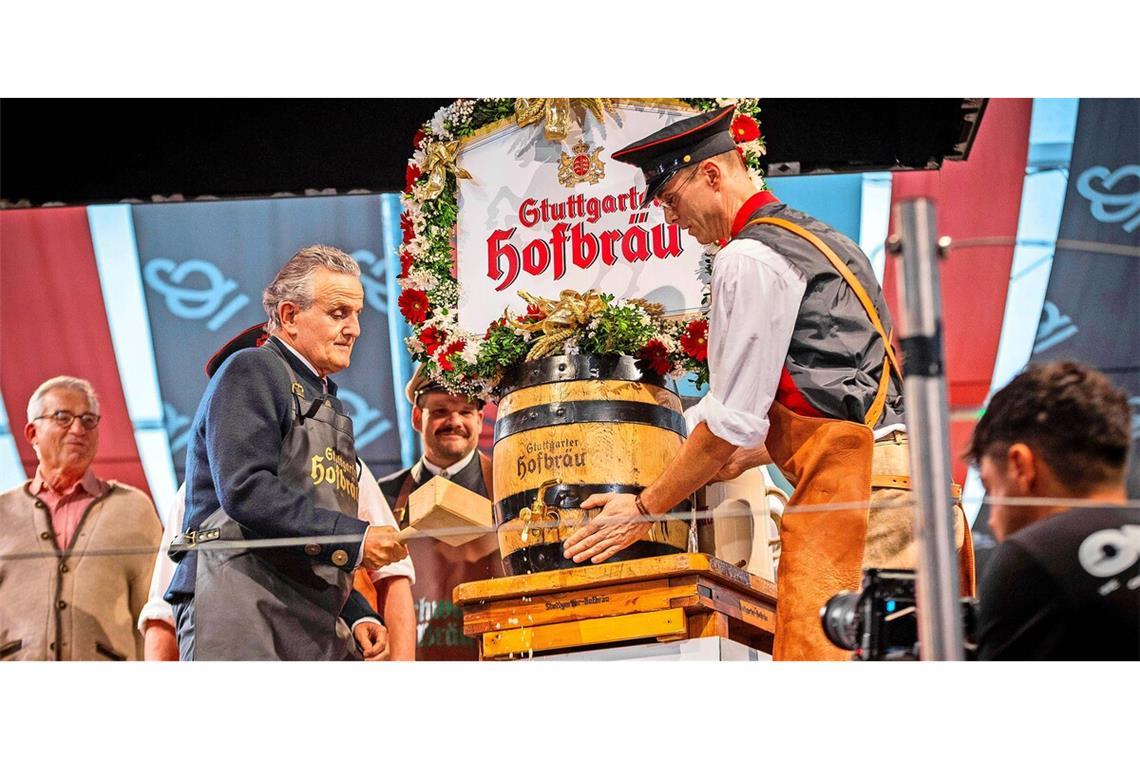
[[414, 306], [695, 340], [657, 355], [453, 348], [407, 227], [432, 338], [411, 175], [405, 264], [744, 128]]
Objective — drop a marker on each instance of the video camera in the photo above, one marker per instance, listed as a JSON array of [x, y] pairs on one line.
[[880, 621]]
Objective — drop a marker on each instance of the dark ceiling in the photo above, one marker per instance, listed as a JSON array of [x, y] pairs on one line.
[[82, 151]]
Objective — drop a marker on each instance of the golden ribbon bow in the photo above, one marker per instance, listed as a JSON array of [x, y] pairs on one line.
[[439, 160], [564, 317], [556, 112]]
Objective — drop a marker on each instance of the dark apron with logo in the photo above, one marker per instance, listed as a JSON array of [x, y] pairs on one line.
[[279, 604]]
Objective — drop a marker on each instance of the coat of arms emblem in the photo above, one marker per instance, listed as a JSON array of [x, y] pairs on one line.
[[582, 166]]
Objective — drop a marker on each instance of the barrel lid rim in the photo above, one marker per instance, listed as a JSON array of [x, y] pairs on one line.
[[580, 367]]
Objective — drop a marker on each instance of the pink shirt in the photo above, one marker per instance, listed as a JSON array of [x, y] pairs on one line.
[[67, 508]]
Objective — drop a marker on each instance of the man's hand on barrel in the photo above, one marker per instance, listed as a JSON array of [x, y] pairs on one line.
[[372, 638], [618, 525], [381, 547]]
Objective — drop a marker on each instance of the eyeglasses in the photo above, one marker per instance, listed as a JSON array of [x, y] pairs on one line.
[[89, 420], [670, 203]]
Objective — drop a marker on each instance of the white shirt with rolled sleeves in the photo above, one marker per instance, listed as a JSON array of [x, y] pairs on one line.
[[756, 295], [372, 507]]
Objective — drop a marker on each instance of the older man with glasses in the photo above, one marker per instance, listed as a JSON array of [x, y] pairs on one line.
[[75, 551]]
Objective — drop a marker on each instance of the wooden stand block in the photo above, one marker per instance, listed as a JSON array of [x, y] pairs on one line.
[[680, 596]]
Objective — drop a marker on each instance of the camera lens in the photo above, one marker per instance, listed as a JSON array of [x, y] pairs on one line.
[[838, 617]]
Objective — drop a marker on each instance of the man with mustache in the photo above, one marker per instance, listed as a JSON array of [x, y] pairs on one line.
[[449, 428], [272, 456]]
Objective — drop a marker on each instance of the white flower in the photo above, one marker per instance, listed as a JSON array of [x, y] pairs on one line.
[[461, 111], [570, 347], [414, 345], [470, 352], [754, 148], [420, 279], [445, 322], [413, 248], [438, 127], [669, 342]]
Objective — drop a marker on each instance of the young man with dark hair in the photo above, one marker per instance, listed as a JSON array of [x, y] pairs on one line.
[[1065, 582]]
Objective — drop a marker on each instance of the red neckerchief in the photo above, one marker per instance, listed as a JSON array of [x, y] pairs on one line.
[[756, 202]]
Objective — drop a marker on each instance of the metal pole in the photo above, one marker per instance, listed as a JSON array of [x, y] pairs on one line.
[[927, 421]]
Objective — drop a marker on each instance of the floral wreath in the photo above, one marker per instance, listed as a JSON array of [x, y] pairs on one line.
[[472, 365]]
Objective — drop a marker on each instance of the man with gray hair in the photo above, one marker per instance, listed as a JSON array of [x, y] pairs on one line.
[[65, 593], [271, 456]]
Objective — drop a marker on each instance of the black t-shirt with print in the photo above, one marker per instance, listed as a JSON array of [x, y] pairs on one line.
[[1065, 588]]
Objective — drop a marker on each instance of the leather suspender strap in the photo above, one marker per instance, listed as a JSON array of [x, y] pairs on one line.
[[400, 509], [485, 466], [875, 413], [890, 362]]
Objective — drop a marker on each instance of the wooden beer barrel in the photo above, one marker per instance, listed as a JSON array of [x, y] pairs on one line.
[[571, 426]]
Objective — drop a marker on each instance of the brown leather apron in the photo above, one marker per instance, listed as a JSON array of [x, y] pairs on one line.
[[829, 462], [439, 569]]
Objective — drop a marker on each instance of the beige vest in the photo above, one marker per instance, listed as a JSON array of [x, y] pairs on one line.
[[75, 603]]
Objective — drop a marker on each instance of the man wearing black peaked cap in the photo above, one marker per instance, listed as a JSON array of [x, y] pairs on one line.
[[801, 373]]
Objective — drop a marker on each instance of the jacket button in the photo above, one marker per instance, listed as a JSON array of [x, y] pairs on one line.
[[40, 504], [45, 536], [63, 568], [51, 646], [340, 558], [61, 604], [312, 549]]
